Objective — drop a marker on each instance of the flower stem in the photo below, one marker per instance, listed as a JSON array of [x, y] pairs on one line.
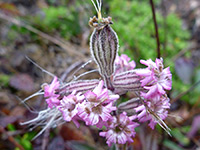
[[156, 28]]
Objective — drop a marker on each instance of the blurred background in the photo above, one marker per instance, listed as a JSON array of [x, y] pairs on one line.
[[55, 34]]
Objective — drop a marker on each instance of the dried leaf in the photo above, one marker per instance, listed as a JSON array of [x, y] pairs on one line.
[[4, 121], [74, 145], [70, 132], [18, 111], [184, 69], [195, 127], [57, 144], [9, 8], [22, 82]]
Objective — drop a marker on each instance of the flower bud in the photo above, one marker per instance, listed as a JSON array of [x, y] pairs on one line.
[[103, 45]]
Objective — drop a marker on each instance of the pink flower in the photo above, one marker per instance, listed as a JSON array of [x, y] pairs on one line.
[[122, 63], [97, 106], [157, 106], [69, 105], [50, 94], [155, 79], [120, 129]]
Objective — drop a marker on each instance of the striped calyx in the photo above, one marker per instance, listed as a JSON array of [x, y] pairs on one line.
[[78, 86], [127, 81], [103, 45]]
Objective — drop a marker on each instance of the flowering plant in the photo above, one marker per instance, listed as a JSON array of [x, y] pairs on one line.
[[95, 101]]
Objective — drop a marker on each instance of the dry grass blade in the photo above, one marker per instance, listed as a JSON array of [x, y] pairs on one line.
[[43, 70], [58, 41], [159, 120], [33, 95], [48, 118], [11, 138]]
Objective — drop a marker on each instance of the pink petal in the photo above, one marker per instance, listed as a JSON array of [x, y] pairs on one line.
[[142, 114], [93, 119], [146, 80], [143, 72], [91, 96], [140, 108], [102, 134], [122, 138], [99, 87]]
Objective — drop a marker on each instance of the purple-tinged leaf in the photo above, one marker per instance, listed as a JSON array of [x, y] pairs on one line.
[[22, 82], [195, 127], [184, 68], [74, 145], [4, 121], [57, 143]]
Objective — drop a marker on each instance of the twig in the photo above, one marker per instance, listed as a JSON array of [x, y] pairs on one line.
[[11, 138], [183, 51], [31, 109], [66, 46], [45, 139], [81, 67], [156, 28], [185, 92], [83, 74], [70, 69], [196, 141], [125, 146], [43, 70]]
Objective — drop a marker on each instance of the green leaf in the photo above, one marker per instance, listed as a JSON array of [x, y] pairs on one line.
[[4, 80], [171, 145], [11, 127], [113, 147], [26, 144], [180, 137]]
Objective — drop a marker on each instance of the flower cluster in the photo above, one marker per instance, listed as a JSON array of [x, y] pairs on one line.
[[50, 93], [120, 129], [69, 106], [95, 101], [155, 80], [92, 102], [94, 107], [123, 63], [98, 105]]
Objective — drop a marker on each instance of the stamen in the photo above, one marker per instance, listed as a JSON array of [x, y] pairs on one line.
[[98, 8], [99, 12], [95, 6]]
